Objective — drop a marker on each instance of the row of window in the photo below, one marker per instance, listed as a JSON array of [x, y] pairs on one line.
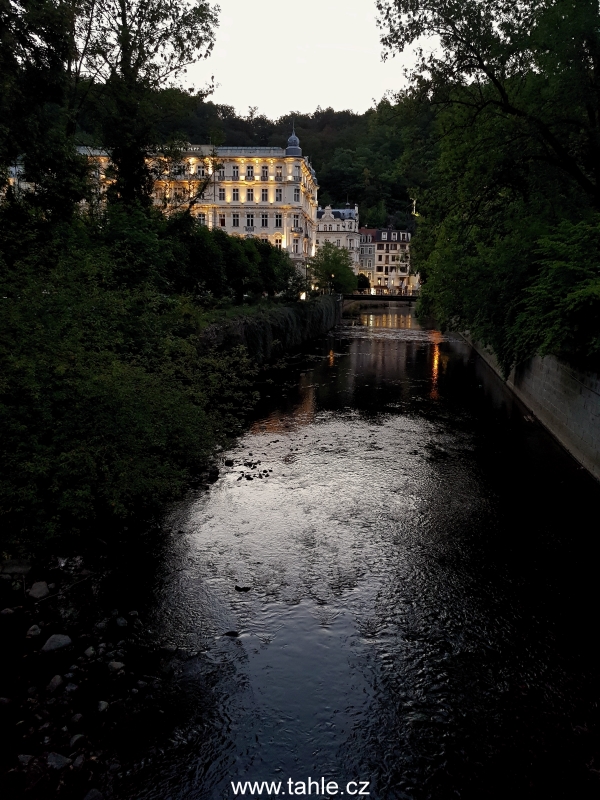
[[202, 171], [404, 237], [264, 195], [250, 217], [337, 227], [338, 243]]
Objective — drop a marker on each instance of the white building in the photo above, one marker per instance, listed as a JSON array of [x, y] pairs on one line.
[[340, 227], [267, 192]]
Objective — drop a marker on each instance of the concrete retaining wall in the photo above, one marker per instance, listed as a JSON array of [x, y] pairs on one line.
[[272, 332], [566, 402]]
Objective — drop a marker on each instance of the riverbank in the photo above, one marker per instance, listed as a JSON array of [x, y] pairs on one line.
[[565, 400]]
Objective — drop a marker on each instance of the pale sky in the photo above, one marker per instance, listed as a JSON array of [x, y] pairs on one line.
[[285, 56]]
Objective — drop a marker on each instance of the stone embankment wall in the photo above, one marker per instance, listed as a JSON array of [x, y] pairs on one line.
[[565, 400], [274, 331]]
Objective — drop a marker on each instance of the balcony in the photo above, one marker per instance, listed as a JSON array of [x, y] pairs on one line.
[[278, 177], [249, 228], [297, 230], [264, 177], [250, 178], [295, 178]]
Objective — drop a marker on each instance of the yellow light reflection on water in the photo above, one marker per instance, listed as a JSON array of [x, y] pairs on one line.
[[391, 320], [436, 338]]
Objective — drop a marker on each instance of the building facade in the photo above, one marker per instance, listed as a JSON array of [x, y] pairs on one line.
[[340, 227], [385, 260], [266, 192]]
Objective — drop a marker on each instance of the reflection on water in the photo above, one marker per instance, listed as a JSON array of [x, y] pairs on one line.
[[419, 602]]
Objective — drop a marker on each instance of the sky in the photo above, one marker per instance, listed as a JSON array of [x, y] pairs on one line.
[[284, 56]]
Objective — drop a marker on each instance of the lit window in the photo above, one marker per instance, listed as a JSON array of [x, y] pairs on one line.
[[236, 195], [278, 173], [235, 221], [296, 195], [278, 195], [222, 220], [264, 220], [236, 172], [278, 222], [221, 194], [249, 195]]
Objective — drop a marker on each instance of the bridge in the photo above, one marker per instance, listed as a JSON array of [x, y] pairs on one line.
[[378, 299]]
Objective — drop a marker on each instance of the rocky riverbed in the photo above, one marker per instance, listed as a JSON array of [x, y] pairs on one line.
[[83, 684]]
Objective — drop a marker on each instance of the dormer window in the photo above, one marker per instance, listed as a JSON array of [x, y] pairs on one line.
[[394, 236], [383, 236]]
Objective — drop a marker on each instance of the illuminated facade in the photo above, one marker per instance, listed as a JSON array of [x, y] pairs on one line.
[[385, 260], [340, 227], [266, 192]]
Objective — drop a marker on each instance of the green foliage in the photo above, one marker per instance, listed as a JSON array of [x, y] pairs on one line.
[[331, 269], [362, 281], [502, 176]]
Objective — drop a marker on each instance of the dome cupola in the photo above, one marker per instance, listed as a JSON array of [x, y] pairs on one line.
[[293, 145]]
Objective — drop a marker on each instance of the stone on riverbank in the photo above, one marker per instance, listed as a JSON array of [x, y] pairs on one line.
[[56, 642], [56, 761], [54, 683], [35, 630], [115, 666], [39, 590]]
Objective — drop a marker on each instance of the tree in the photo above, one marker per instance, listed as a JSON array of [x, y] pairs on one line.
[[363, 281], [134, 48], [515, 60], [331, 269]]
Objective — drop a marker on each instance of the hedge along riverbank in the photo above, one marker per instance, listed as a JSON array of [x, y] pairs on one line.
[[273, 331]]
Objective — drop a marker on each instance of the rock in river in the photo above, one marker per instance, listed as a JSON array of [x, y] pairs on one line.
[[56, 642], [115, 666]]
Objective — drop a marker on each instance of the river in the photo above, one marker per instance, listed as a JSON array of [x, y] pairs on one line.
[[416, 605]]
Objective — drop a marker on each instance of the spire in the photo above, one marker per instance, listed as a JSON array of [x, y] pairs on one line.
[[293, 145]]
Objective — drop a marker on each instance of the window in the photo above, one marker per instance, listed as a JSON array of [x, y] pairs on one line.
[[221, 173], [264, 172], [403, 237], [393, 247], [369, 263], [265, 240], [278, 173], [331, 227], [235, 220], [338, 227], [297, 170], [222, 220], [383, 236], [264, 195], [202, 219], [278, 195], [264, 220], [394, 236], [278, 244], [379, 269], [278, 222], [379, 258], [296, 195], [351, 245], [317, 241], [249, 172], [296, 246], [362, 251], [201, 170], [380, 247], [250, 220], [369, 238], [236, 195], [221, 194], [249, 195], [236, 172], [338, 242]]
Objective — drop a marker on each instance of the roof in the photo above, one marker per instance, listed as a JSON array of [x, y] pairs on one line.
[[339, 213]]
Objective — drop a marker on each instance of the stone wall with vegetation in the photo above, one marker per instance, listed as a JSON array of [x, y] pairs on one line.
[[273, 331]]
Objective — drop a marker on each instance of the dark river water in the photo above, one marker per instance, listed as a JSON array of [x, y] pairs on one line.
[[420, 613]]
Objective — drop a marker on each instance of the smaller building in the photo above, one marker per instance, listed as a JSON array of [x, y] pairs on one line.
[[385, 260], [340, 227]]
